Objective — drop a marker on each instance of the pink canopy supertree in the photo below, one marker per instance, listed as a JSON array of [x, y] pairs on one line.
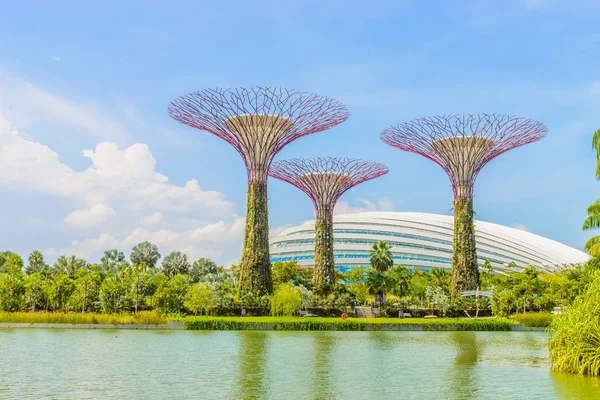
[[258, 122], [324, 180], [462, 145]]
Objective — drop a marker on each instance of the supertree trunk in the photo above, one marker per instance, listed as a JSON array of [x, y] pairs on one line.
[[255, 276], [324, 268], [324, 180], [465, 270]]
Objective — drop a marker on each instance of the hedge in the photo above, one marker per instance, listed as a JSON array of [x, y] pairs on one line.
[[335, 324]]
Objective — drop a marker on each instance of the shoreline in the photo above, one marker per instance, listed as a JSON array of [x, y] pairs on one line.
[[296, 324]]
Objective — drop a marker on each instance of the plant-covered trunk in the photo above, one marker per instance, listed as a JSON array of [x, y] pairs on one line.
[[465, 271], [255, 274], [324, 267]]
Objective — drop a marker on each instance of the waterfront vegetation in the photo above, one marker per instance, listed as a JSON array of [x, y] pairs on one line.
[[141, 318], [337, 324]]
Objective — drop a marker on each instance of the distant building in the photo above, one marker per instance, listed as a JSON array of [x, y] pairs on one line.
[[422, 241]]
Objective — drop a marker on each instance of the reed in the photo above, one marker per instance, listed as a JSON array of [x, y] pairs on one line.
[[575, 342]]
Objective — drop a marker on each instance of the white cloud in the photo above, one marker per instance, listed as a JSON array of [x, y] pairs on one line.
[[27, 105], [55, 58], [382, 204], [520, 227], [152, 219], [93, 216], [115, 175], [215, 240]]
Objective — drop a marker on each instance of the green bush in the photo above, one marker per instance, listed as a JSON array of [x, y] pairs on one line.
[[575, 342], [286, 301], [142, 318], [534, 319], [334, 324]]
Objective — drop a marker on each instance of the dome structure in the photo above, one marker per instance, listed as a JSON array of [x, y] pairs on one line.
[[423, 241]]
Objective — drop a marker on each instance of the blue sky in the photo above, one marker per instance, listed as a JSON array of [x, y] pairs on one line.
[[89, 158]]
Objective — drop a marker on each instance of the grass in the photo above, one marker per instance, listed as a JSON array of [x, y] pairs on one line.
[[534, 319], [575, 342], [142, 318], [353, 324]]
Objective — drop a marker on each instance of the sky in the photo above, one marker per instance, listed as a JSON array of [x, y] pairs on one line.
[[90, 160]]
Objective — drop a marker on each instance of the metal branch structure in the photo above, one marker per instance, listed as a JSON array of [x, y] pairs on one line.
[[324, 180], [462, 145], [258, 122]]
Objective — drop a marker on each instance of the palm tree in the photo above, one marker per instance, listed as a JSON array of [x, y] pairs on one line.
[[175, 263], [381, 256], [592, 246], [440, 277], [145, 252]]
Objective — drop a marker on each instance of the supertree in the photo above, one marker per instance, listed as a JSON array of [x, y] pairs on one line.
[[258, 122], [462, 145], [324, 180]]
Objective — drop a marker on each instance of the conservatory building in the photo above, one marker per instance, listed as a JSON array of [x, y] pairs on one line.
[[423, 241]]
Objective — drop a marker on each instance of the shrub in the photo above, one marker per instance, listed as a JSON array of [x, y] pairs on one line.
[[534, 319], [331, 324], [286, 300], [200, 298], [575, 342]]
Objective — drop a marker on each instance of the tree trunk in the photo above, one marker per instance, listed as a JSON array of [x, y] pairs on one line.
[[465, 270], [324, 265], [255, 271]]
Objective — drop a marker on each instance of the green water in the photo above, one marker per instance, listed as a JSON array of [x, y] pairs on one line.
[[107, 364]]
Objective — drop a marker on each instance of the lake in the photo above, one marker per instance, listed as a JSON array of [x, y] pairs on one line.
[[121, 364]]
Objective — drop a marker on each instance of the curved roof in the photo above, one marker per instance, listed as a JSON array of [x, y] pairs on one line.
[[422, 241]]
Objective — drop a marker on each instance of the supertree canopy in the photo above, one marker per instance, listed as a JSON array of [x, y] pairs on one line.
[[258, 122], [462, 145], [324, 180]]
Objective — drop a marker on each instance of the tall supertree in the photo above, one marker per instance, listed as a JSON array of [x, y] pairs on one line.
[[258, 122], [324, 180], [462, 145]]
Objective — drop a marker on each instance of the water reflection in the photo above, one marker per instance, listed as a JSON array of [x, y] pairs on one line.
[[252, 349], [570, 386], [463, 382], [323, 345]]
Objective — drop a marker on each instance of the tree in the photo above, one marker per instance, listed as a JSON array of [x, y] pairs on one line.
[[113, 261], [34, 288], [59, 291], [170, 293], [69, 265], [11, 282], [201, 269], [286, 300], [36, 263], [399, 278], [381, 256], [137, 280], [592, 246], [439, 277], [145, 252], [486, 274], [199, 298], [175, 263]]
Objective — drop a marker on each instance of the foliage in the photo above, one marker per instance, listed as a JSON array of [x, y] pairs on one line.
[[437, 297], [324, 267], [286, 300], [381, 256], [175, 263], [291, 272], [255, 271], [351, 324], [465, 271], [200, 298], [533, 319], [143, 318], [202, 270], [145, 252], [36, 263], [575, 342]]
